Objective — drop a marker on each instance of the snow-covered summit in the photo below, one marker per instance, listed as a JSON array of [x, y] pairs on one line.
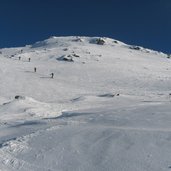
[[81, 64], [66, 41], [71, 44]]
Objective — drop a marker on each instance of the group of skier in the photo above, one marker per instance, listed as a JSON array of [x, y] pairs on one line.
[[35, 69]]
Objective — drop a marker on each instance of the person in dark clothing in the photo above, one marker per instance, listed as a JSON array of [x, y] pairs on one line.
[[52, 74], [29, 59], [19, 58], [35, 69]]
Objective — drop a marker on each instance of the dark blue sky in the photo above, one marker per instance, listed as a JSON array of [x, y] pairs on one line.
[[141, 22]]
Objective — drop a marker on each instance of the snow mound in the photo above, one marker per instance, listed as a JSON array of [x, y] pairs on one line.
[[26, 107]]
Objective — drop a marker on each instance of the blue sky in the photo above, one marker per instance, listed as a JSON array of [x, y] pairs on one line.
[[140, 22]]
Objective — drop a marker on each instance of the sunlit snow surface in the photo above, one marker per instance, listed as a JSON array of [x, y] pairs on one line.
[[108, 107]]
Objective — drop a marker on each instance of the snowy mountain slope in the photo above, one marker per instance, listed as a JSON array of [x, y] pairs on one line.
[[107, 108]]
